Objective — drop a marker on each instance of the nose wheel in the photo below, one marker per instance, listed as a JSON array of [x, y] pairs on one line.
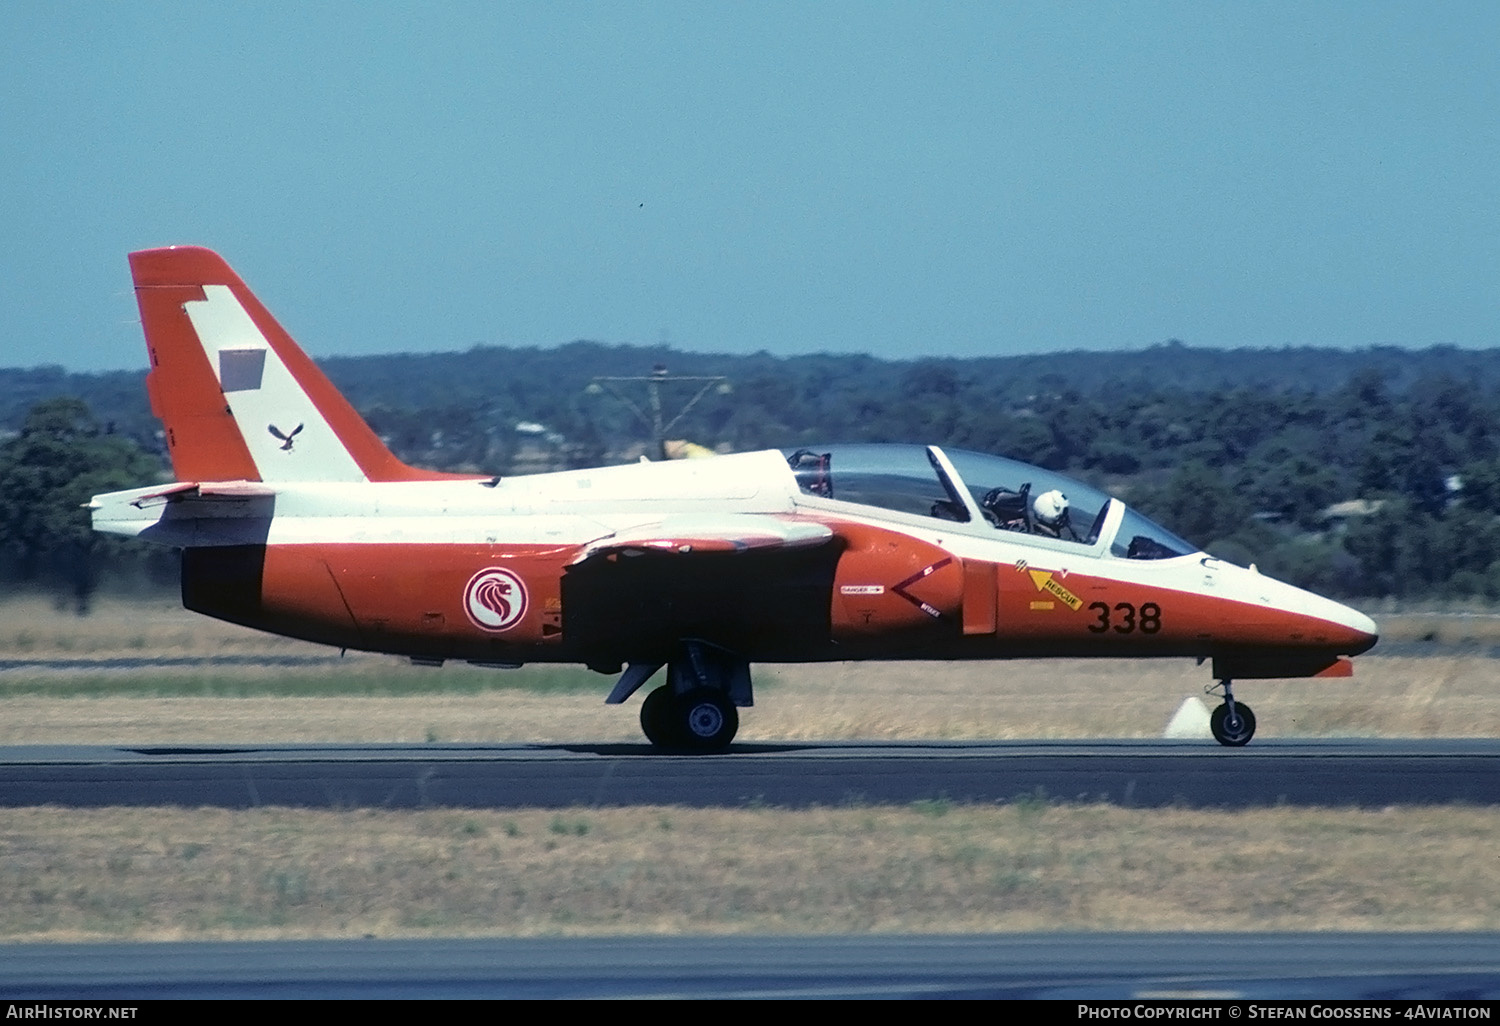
[[1232, 723]]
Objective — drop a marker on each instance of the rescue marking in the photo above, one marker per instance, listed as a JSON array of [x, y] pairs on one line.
[[495, 599], [1044, 582]]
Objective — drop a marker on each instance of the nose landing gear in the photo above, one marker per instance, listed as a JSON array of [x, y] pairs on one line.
[[1232, 723]]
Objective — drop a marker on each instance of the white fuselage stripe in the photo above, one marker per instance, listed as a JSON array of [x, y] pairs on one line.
[[576, 508]]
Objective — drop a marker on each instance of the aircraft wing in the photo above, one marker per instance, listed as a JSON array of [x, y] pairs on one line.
[[728, 532]]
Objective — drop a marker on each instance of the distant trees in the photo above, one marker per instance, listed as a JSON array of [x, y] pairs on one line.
[[61, 457], [1244, 452]]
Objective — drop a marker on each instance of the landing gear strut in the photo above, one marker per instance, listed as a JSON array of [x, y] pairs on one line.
[[1232, 723]]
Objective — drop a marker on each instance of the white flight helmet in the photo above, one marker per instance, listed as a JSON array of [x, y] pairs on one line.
[[1050, 508]]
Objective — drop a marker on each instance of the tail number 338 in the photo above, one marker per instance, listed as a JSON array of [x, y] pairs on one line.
[[1125, 617]]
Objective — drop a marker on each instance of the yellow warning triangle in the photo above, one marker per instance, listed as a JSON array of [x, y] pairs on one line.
[[1044, 582]]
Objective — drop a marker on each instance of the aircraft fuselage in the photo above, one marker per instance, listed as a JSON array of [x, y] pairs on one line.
[[392, 567]]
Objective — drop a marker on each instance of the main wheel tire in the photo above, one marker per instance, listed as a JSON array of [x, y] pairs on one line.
[[1235, 732], [658, 717], [706, 720]]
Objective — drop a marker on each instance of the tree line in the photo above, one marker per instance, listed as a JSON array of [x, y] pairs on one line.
[[1373, 478]]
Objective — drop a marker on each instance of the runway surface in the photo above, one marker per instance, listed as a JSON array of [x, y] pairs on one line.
[[1127, 773], [1205, 967], [1211, 968]]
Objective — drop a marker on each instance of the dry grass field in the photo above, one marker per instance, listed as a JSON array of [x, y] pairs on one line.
[[209, 873], [177, 873]]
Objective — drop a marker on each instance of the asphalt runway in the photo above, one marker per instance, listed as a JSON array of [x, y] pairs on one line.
[[1137, 773], [1208, 968]]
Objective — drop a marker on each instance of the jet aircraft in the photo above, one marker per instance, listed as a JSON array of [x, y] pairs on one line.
[[293, 517]]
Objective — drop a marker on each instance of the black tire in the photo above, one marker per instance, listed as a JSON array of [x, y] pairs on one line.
[[658, 719], [706, 720], [1232, 733]]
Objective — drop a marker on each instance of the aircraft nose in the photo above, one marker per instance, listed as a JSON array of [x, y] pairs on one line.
[[1363, 631]]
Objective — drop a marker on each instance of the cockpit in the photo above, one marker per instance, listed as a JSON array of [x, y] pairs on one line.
[[982, 493]]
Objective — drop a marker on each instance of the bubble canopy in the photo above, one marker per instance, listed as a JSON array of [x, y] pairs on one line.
[[982, 493]]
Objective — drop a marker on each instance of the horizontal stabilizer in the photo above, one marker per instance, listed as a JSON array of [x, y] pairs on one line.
[[180, 490], [714, 533]]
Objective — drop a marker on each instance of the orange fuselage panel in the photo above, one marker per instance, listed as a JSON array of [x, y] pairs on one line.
[[875, 592]]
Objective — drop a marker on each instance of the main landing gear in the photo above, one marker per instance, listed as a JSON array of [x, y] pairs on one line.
[[702, 720], [1232, 723], [695, 711]]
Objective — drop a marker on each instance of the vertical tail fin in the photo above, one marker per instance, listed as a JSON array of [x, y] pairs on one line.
[[238, 398]]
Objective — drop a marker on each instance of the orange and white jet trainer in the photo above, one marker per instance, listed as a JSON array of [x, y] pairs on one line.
[[295, 518]]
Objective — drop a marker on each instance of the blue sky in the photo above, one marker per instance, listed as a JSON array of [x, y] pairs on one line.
[[901, 179]]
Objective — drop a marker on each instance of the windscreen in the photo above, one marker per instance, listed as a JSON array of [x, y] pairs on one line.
[[1139, 538], [1010, 495]]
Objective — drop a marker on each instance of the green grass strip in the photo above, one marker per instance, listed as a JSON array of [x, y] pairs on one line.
[[257, 682]]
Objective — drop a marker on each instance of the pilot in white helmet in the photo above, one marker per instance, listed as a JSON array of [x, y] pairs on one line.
[[1050, 512]]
